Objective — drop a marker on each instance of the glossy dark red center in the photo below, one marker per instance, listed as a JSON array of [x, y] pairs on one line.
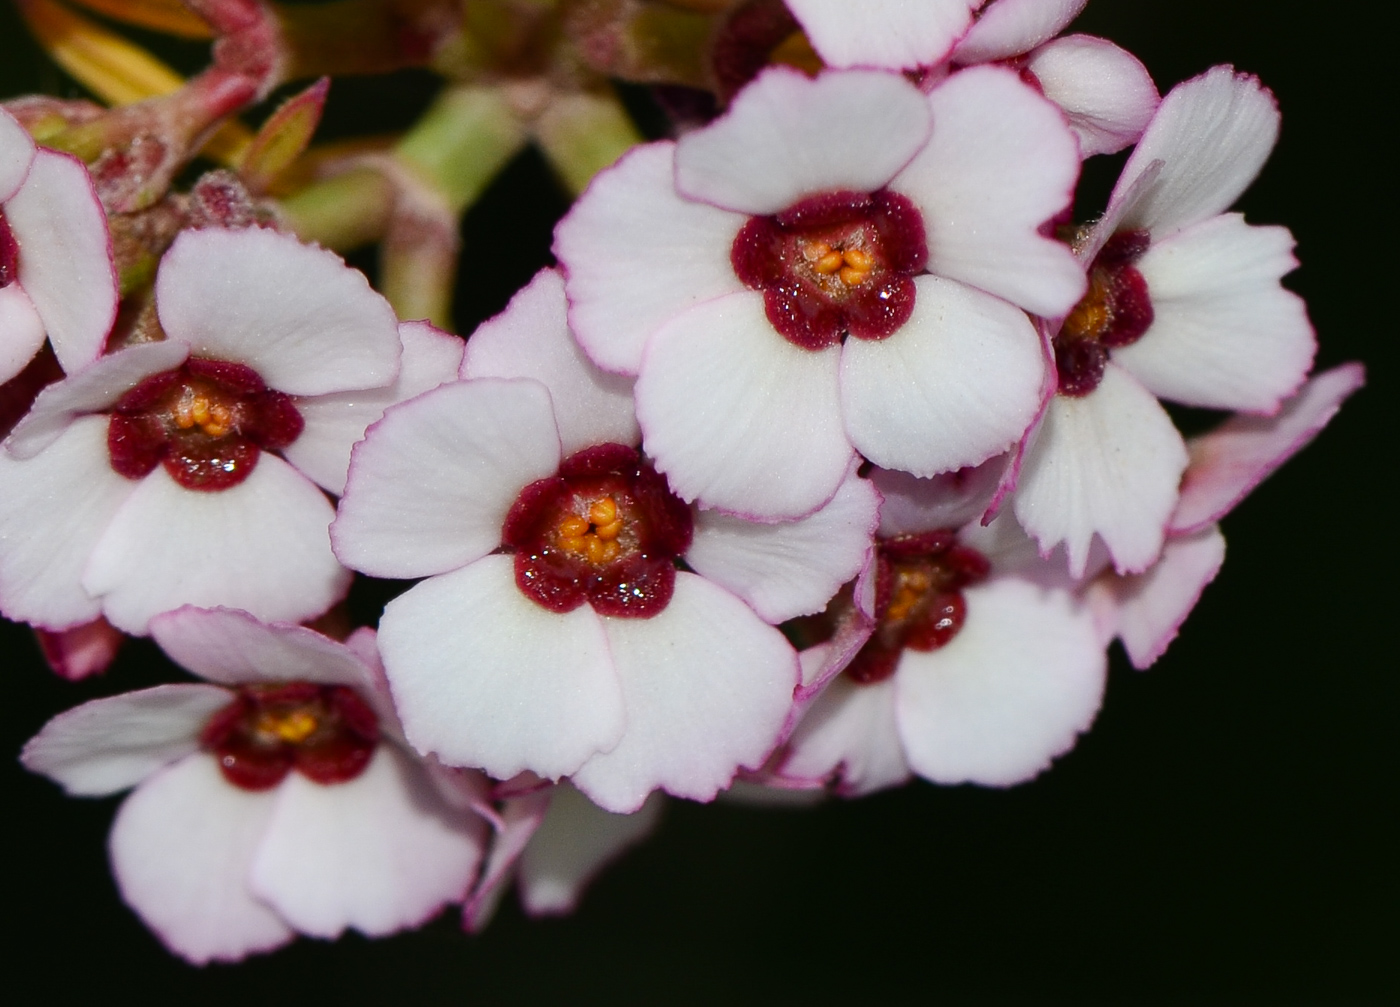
[[918, 598], [838, 264], [206, 422], [606, 530], [1116, 311], [9, 253], [325, 732]]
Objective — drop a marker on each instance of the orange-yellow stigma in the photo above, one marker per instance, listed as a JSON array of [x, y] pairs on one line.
[[205, 411], [910, 587], [293, 727], [852, 265], [595, 536]]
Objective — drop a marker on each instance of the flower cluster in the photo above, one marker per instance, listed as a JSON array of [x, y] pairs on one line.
[[832, 451]]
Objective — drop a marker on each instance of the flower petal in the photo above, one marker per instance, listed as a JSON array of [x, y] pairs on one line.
[[848, 737], [575, 842], [181, 848], [1000, 164], [789, 569], [80, 651], [520, 818], [92, 389], [886, 33], [16, 154], [1212, 133], [21, 331], [296, 314], [334, 423], [1225, 334], [110, 744], [739, 417], [959, 383], [707, 688], [1014, 689], [378, 853], [1009, 28], [260, 546], [1149, 607], [65, 263], [233, 648], [635, 255], [787, 136], [531, 339], [431, 484], [1227, 463], [1109, 464], [54, 508], [951, 500], [1106, 93], [483, 676]]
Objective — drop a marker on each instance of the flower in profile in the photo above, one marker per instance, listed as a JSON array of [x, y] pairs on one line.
[[56, 272], [279, 800], [1146, 610], [1184, 304], [835, 265], [176, 472], [552, 844], [556, 631], [984, 664]]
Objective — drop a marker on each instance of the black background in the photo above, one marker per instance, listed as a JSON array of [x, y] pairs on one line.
[[1226, 833]]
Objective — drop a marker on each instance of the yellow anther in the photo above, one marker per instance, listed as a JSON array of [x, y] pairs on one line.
[[858, 258], [814, 250], [853, 277], [294, 727], [573, 526], [611, 530], [829, 263], [601, 551], [910, 588], [1090, 316], [603, 511]]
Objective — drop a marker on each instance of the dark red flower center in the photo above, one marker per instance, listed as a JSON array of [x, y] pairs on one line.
[[838, 264], [606, 530], [9, 253], [206, 422], [325, 732], [1116, 311], [919, 581]]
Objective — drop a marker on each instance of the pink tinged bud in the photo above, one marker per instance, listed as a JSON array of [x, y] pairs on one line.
[[325, 732], [207, 421], [606, 529], [837, 264], [1115, 312]]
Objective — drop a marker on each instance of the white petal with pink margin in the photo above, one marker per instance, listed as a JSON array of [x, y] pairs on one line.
[[1106, 464], [378, 853], [181, 848], [296, 314], [483, 676], [739, 418], [1017, 685], [114, 743], [787, 136], [1000, 164], [1225, 334], [707, 686], [958, 383], [260, 546], [636, 254], [885, 33], [430, 486]]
